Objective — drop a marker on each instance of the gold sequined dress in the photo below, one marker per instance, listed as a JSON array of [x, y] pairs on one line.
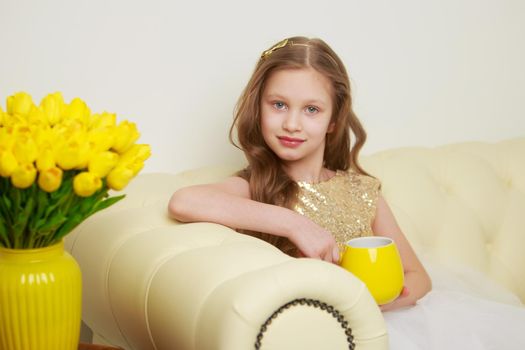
[[345, 204]]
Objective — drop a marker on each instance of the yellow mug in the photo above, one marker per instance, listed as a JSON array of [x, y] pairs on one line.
[[375, 260]]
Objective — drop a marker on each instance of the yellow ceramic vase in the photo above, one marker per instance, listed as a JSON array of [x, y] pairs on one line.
[[375, 261], [40, 299]]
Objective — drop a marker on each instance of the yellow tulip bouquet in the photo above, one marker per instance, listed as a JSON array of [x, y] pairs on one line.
[[58, 162]]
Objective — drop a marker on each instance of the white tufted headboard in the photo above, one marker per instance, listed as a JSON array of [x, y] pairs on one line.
[[461, 203]]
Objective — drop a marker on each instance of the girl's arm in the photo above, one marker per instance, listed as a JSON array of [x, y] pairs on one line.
[[228, 203], [417, 281]]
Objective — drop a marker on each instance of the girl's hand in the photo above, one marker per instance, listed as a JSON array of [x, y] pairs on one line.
[[402, 300], [313, 241]]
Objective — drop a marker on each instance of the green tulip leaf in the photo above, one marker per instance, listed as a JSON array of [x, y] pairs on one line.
[[7, 201], [51, 224], [106, 203], [4, 240], [69, 225], [20, 224]]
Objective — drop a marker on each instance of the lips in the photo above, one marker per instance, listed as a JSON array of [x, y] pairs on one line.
[[291, 142]]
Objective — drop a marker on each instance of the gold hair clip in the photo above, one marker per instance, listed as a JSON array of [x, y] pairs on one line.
[[277, 46], [280, 45]]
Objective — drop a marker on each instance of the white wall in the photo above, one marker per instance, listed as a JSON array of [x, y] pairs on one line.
[[424, 72]]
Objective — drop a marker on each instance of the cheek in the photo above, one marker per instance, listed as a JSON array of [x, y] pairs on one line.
[[268, 120], [264, 122], [266, 127]]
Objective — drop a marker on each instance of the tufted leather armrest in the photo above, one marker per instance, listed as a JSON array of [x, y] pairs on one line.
[[152, 283]]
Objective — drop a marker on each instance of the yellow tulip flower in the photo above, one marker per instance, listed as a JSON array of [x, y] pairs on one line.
[[14, 120], [37, 116], [25, 149], [86, 183], [137, 152], [69, 128], [77, 110], [7, 139], [43, 136], [19, 104], [39, 144], [125, 135], [101, 139], [102, 163], [119, 178], [66, 159], [134, 158], [23, 176], [8, 163], [53, 107], [45, 160], [21, 129], [50, 179], [73, 155], [136, 167], [60, 133], [2, 117], [103, 120]]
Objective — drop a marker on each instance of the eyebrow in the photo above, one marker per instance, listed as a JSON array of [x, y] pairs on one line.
[[311, 101]]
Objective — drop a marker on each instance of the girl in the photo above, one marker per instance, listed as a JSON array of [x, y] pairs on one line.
[[303, 190]]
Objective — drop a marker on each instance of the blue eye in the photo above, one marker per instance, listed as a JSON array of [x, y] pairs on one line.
[[279, 105], [312, 109]]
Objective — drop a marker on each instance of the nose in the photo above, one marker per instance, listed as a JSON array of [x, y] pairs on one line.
[[292, 122]]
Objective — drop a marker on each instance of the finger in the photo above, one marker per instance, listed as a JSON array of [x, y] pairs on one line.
[[327, 257], [388, 306], [385, 307], [335, 255]]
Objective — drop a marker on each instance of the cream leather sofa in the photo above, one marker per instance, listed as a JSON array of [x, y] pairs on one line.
[[152, 283]]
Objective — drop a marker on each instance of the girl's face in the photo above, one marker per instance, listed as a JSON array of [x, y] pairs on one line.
[[296, 111]]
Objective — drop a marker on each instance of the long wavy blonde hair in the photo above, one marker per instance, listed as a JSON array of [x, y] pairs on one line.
[[267, 180]]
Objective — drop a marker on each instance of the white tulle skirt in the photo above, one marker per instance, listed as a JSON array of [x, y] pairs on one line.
[[464, 311]]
